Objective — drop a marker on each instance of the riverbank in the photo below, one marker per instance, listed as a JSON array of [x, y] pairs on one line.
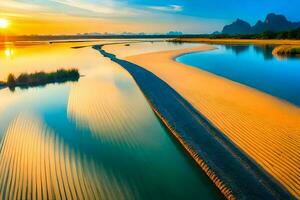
[[238, 41], [232, 172], [264, 127]]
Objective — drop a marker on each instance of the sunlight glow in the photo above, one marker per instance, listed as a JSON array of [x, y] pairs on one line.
[[8, 52], [4, 23]]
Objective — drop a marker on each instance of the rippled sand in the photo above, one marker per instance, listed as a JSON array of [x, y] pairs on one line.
[[264, 127]]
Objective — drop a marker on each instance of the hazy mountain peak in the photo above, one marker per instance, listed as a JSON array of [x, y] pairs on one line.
[[273, 22], [273, 18], [239, 26]]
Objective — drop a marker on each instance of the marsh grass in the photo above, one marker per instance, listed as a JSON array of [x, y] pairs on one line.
[[287, 50], [25, 80]]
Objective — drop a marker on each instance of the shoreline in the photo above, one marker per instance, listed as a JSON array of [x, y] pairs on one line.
[[238, 41], [232, 108], [227, 166], [221, 186]]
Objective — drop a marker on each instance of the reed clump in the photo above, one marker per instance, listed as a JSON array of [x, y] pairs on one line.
[[42, 78], [287, 50]]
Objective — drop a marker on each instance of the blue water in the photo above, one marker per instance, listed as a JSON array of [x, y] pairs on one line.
[[254, 66]]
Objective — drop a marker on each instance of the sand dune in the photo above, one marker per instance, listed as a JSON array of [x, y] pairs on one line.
[[266, 128]]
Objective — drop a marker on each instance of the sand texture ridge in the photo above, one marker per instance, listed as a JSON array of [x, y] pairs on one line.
[[264, 127]]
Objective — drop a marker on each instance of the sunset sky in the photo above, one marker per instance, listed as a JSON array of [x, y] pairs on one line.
[[160, 16]]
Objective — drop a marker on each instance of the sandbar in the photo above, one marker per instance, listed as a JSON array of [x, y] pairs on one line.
[[264, 127]]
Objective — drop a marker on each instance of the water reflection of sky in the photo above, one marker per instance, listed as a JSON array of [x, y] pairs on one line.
[[253, 66], [97, 138]]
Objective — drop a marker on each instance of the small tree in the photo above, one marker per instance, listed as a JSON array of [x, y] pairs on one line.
[[11, 80]]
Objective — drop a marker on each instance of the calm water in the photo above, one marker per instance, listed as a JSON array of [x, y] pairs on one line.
[[253, 66], [96, 138]]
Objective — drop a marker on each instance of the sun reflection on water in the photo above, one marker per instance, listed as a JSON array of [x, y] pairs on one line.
[[9, 52]]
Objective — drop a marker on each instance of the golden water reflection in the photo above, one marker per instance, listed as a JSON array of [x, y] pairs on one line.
[[94, 139], [9, 52], [17, 59], [123, 51], [99, 106]]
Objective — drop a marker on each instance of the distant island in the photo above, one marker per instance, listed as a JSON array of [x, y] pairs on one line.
[[41, 78], [89, 36], [273, 23]]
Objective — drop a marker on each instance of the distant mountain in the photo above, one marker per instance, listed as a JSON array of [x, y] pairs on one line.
[[216, 33], [237, 27], [273, 22]]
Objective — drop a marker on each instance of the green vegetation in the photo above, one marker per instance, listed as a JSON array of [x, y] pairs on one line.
[[11, 80], [287, 50], [42, 78], [292, 35]]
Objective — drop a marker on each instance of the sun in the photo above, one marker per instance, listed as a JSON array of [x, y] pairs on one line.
[[4, 23]]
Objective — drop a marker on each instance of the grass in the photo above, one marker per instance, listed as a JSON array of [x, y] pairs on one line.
[[42, 78], [287, 50]]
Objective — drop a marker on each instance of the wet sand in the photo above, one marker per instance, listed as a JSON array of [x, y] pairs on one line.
[[264, 127]]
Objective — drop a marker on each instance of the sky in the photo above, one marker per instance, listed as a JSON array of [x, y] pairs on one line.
[[149, 16]]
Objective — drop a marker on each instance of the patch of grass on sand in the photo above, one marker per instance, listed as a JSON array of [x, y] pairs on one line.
[[287, 50]]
